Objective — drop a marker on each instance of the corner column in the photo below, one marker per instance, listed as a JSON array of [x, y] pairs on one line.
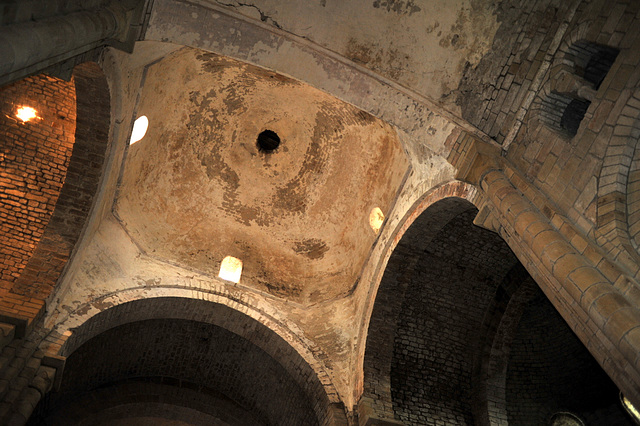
[[603, 318]]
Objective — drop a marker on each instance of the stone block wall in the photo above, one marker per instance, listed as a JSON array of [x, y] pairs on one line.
[[188, 354], [492, 94], [437, 335], [26, 375], [550, 371], [510, 93]]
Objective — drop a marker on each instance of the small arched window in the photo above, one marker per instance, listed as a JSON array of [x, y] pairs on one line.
[[563, 113], [591, 61], [585, 66]]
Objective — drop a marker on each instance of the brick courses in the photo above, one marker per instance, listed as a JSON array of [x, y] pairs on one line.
[[50, 172], [35, 157]]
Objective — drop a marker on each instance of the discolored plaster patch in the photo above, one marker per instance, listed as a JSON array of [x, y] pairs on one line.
[[312, 248], [391, 62], [401, 7]]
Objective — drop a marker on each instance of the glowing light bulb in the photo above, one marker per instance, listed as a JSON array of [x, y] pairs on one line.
[[139, 129], [231, 269], [25, 114]]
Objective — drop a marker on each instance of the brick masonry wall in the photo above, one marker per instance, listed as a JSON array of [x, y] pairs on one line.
[[128, 402], [437, 336], [471, 344], [550, 370], [218, 314], [184, 351], [50, 172], [26, 375], [430, 307], [81, 184], [391, 294], [491, 94], [34, 160]]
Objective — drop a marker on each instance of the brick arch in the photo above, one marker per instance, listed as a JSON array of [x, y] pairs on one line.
[[434, 209], [150, 397], [81, 178], [426, 323], [618, 196], [498, 330], [260, 326], [453, 189]]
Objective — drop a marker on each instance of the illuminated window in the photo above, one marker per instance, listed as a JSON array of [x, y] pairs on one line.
[[231, 269], [633, 411], [139, 129], [376, 218], [26, 113]]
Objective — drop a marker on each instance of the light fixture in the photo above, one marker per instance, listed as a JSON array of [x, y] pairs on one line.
[[140, 127], [231, 269], [26, 113], [376, 218], [630, 408]]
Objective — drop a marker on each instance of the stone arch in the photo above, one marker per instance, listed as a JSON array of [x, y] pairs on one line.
[[497, 333], [454, 190], [574, 79], [424, 330], [550, 371], [618, 206], [88, 128], [447, 310], [433, 210], [258, 324]]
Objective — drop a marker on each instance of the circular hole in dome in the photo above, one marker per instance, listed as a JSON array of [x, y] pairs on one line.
[[268, 141]]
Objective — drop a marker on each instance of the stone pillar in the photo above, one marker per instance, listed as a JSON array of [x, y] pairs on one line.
[[587, 299], [30, 47]]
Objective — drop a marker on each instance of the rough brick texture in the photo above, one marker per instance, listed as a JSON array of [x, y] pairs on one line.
[[24, 378], [550, 370], [82, 178], [166, 401], [35, 157], [48, 181], [423, 337], [437, 332], [183, 352]]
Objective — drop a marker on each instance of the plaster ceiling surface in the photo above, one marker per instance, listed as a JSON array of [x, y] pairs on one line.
[[398, 39], [197, 188]]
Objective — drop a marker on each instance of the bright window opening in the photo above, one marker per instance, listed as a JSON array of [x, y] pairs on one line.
[[139, 129], [376, 218], [231, 269], [26, 113]]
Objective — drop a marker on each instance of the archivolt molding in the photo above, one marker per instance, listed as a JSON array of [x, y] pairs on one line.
[[618, 207], [228, 309], [497, 333], [450, 190]]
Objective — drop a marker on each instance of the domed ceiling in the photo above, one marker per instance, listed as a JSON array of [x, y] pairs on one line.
[[198, 187]]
